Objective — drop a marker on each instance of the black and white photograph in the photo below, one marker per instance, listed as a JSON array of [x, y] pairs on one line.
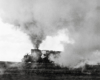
[[49, 39]]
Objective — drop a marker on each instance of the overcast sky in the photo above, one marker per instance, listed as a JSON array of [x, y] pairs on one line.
[[13, 43]]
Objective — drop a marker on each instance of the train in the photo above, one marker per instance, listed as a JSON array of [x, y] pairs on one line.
[[40, 56]]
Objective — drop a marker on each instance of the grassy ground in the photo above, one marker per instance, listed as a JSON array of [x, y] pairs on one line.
[[42, 72]]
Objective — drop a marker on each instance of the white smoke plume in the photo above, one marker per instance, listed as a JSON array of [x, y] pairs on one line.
[[41, 18]]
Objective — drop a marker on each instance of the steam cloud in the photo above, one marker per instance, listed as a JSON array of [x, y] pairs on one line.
[[41, 18]]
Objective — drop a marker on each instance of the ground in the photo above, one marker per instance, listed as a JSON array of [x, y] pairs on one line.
[[50, 72]]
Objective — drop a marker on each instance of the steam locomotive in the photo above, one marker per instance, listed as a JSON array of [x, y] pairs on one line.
[[39, 59], [39, 56]]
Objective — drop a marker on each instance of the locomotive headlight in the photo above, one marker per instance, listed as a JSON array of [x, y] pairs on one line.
[[44, 54]]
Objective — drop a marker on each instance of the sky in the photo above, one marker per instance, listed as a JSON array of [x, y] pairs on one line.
[[14, 44]]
